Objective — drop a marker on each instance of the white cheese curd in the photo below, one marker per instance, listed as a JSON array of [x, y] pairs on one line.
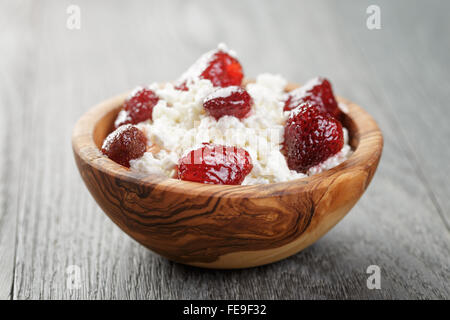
[[180, 124]]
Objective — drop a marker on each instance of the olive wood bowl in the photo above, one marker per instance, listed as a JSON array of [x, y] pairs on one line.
[[218, 226]]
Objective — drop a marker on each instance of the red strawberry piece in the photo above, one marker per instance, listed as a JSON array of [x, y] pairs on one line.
[[138, 107], [229, 101], [124, 144], [223, 70], [215, 164], [318, 92], [311, 137], [218, 66]]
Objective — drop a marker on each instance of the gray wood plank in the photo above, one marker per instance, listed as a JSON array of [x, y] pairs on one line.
[[396, 225], [15, 47], [415, 82]]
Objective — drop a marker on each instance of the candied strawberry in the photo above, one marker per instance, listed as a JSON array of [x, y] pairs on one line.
[[310, 137], [215, 164], [229, 101], [223, 70], [318, 92], [138, 107], [218, 66], [124, 144]]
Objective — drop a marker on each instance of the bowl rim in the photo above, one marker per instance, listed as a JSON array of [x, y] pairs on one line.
[[369, 145]]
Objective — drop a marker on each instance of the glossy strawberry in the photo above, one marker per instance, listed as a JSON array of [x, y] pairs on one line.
[[310, 137], [138, 107], [215, 164], [124, 144], [218, 66], [223, 70], [230, 101], [317, 92]]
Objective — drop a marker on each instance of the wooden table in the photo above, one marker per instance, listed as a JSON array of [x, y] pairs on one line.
[[50, 75]]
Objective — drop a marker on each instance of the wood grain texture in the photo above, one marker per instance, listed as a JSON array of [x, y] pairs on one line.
[[423, 82], [14, 35], [224, 226], [395, 73]]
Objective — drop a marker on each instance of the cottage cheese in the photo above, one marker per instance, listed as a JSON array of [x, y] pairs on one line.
[[180, 125]]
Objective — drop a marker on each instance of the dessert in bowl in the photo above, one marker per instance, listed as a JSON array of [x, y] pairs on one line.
[[221, 172]]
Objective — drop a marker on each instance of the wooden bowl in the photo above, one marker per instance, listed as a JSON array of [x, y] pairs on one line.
[[216, 226]]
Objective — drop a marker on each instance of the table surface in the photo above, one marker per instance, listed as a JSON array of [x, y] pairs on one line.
[[50, 75]]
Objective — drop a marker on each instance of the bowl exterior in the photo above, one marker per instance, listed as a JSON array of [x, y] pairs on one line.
[[215, 232]]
